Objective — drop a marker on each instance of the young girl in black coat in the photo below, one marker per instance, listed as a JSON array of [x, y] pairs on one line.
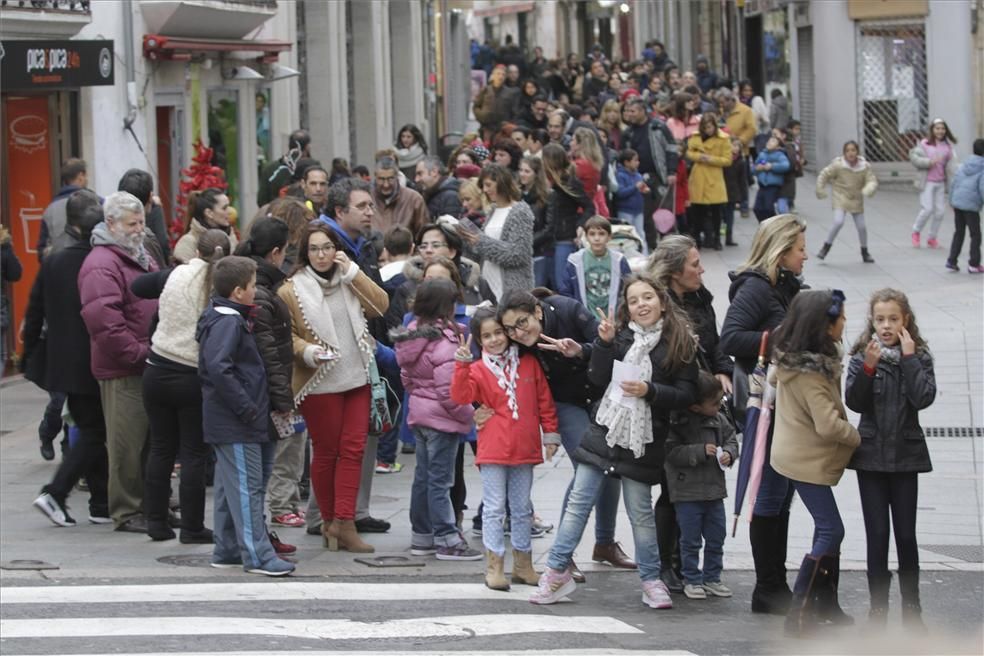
[[889, 380]]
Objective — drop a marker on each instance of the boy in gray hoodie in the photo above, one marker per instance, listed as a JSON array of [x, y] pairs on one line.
[[967, 197]]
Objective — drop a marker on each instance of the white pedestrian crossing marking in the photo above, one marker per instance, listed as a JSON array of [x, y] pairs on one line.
[[506, 652], [461, 626]]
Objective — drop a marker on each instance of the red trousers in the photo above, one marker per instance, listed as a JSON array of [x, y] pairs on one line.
[[338, 424]]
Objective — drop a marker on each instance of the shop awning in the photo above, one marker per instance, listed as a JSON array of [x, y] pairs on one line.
[[172, 48], [501, 8]]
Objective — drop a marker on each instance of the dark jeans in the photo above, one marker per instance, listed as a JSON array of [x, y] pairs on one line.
[[88, 456], [828, 530], [51, 422], [972, 222], [775, 494], [896, 493], [706, 220], [765, 202], [173, 401], [458, 491]]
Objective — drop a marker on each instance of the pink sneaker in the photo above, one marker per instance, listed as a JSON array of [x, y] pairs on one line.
[[553, 587], [975, 269], [932, 243], [915, 240], [655, 594]]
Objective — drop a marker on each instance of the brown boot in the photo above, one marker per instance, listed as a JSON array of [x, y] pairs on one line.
[[494, 577], [613, 555], [523, 571], [341, 535], [326, 533]]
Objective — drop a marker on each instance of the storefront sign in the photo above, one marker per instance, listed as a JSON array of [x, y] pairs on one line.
[[26, 65], [862, 9]]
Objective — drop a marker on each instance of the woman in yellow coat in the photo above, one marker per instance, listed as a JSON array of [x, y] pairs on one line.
[[709, 152]]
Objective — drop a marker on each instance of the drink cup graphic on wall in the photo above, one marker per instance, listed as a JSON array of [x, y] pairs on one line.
[[31, 217]]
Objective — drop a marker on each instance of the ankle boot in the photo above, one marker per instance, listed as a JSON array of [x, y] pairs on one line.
[[668, 540], [824, 250], [878, 587], [522, 571], [495, 579], [801, 618], [828, 608], [865, 257], [768, 537], [340, 534], [911, 608]]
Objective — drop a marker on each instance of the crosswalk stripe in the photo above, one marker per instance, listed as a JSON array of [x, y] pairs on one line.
[[506, 652], [278, 591], [462, 626]]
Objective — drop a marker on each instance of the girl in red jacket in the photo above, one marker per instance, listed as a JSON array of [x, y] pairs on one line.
[[514, 387]]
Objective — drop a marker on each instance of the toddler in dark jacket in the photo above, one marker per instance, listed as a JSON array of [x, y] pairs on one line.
[[236, 419], [701, 443]]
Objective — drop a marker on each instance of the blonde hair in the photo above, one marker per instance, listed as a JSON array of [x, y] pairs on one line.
[[609, 104], [469, 189], [775, 237], [588, 147]]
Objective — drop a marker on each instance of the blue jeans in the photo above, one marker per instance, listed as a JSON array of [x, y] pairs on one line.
[[828, 528], [699, 519], [561, 250], [499, 483], [765, 202], [543, 270], [775, 494], [638, 499], [573, 421], [431, 515], [782, 205], [637, 221]]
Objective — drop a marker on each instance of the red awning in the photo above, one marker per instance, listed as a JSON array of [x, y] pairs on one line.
[[181, 49], [499, 9]]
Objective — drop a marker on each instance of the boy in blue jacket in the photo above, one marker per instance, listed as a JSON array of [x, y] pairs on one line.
[[236, 419], [967, 198], [770, 168], [594, 274], [629, 196]]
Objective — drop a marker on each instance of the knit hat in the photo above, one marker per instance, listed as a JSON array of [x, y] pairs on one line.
[[467, 171], [479, 148]]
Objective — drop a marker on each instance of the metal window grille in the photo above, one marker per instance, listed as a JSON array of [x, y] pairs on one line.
[[892, 88]]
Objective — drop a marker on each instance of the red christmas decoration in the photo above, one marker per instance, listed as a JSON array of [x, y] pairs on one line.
[[200, 175]]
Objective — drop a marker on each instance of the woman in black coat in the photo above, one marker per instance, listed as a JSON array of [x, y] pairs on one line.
[[761, 290]]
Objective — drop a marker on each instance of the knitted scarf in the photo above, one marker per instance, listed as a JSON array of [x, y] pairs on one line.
[[505, 368], [630, 420], [890, 354]]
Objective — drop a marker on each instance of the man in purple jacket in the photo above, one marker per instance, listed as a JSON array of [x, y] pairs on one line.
[[119, 330]]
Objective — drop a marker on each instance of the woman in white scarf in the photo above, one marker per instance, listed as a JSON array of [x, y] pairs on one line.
[[655, 348]]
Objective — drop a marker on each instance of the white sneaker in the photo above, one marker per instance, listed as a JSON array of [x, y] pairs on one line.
[[553, 587], [423, 551], [655, 595], [717, 589], [53, 510], [694, 591]]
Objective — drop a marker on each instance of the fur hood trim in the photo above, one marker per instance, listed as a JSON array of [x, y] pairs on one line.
[[829, 366], [414, 270], [428, 332]]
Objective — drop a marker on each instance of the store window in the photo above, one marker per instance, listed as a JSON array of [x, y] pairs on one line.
[[893, 89], [223, 131], [264, 151], [775, 52]]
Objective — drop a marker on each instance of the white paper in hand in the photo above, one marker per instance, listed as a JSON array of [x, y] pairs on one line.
[[720, 453], [624, 372]]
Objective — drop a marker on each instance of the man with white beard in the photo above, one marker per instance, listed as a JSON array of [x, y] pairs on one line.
[[119, 331]]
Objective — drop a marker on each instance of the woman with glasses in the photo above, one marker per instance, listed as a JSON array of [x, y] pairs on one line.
[[329, 299], [561, 332], [761, 290]]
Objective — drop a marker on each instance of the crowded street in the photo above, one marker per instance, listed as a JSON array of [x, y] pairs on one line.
[[491, 327]]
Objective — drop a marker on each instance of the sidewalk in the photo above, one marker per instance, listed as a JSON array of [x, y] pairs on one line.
[[949, 309]]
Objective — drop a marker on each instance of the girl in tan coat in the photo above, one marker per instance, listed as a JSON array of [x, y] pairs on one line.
[[852, 180], [813, 443]]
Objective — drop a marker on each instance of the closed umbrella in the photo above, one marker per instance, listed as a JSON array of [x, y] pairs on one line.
[[752, 447]]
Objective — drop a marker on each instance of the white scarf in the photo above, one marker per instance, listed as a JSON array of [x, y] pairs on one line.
[[631, 427], [505, 367], [311, 290]]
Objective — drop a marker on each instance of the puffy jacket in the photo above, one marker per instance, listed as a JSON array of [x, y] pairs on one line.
[[444, 199], [889, 403], [706, 179], [699, 306], [568, 377], [426, 357], [756, 306], [118, 321], [628, 196], [774, 177], [272, 331], [850, 184], [691, 474], [502, 439], [667, 392], [183, 297], [812, 439], [567, 211], [573, 283], [967, 189], [235, 402]]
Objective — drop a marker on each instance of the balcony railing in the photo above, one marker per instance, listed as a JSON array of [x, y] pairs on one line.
[[79, 6]]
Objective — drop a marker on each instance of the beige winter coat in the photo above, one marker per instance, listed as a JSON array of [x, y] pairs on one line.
[[813, 440], [187, 246], [850, 184]]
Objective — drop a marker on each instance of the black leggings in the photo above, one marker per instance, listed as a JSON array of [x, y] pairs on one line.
[[898, 493]]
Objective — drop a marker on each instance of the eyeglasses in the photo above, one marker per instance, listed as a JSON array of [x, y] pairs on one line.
[[321, 250], [432, 245], [366, 207], [522, 324]]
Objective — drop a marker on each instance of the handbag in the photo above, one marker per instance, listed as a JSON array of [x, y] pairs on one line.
[[380, 417], [739, 395], [664, 218]]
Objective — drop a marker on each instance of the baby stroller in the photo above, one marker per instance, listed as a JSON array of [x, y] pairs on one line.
[[629, 243]]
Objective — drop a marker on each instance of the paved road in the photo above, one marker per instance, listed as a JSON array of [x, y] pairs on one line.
[[949, 308]]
